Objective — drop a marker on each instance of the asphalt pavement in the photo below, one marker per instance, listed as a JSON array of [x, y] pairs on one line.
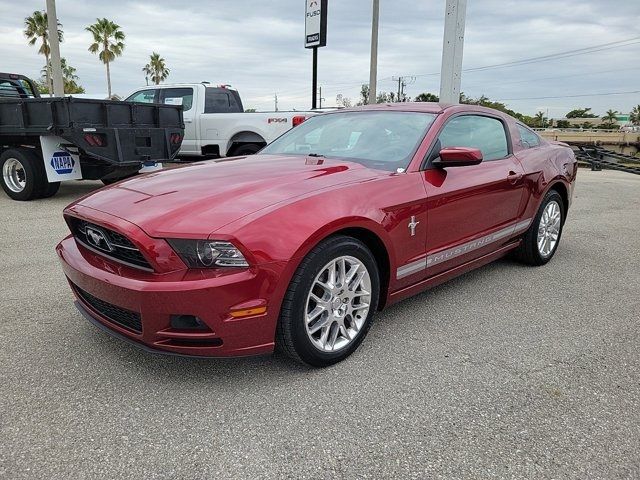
[[506, 372]]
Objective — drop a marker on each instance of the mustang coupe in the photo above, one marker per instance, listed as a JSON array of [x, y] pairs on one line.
[[297, 247]]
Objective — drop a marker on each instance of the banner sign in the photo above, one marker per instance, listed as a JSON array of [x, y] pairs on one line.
[[315, 25]]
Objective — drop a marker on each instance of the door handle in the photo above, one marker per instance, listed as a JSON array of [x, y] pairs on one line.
[[188, 120], [514, 177]]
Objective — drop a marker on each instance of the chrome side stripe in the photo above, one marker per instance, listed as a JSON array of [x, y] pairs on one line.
[[451, 253], [412, 267]]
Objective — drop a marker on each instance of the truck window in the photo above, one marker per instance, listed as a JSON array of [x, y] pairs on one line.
[[15, 88], [217, 100], [145, 96], [178, 96]]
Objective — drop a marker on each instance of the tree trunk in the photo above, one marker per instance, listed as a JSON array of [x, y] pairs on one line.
[[48, 75], [108, 80]]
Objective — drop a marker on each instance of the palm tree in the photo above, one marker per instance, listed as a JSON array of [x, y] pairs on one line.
[[159, 70], [540, 119], [108, 42], [147, 72], [610, 117], [69, 77], [635, 115], [36, 28]]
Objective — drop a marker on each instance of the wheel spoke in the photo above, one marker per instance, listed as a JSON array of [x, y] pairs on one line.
[[315, 313], [335, 329], [322, 323]]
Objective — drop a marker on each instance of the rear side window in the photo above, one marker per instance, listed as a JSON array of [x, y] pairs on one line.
[[145, 96], [217, 100], [528, 138], [178, 96], [474, 131]]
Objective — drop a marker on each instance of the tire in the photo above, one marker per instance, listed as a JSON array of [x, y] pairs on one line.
[[111, 181], [23, 174], [51, 190], [529, 251], [345, 314], [245, 149]]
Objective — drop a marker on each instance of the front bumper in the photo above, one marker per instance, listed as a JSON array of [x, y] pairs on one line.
[[154, 298]]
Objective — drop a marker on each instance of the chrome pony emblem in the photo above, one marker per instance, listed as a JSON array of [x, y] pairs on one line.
[[97, 239], [412, 226]]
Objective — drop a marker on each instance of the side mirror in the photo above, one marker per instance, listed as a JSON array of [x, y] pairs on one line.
[[458, 157]]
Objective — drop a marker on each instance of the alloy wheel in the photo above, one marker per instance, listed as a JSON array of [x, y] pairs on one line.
[[549, 229], [338, 303]]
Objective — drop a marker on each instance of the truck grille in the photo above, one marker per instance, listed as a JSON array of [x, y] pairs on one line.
[[108, 243], [125, 318]]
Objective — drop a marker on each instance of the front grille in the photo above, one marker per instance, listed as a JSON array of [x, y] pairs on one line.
[[117, 246], [124, 318]]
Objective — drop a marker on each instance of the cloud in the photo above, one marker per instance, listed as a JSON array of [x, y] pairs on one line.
[[258, 48]]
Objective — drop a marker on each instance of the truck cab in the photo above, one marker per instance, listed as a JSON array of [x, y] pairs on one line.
[[215, 122]]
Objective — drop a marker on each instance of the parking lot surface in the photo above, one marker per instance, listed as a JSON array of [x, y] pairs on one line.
[[506, 372]]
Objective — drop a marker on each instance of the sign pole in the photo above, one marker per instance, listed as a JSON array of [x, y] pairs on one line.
[[452, 44], [56, 69], [314, 81], [373, 64], [315, 35]]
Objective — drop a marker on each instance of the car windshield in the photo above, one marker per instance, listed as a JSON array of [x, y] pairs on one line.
[[383, 140]]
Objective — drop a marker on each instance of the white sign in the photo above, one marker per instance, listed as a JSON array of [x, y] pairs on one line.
[[315, 26], [59, 163], [173, 101]]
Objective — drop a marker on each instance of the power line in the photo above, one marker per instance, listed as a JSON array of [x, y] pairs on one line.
[[553, 56], [571, 96]]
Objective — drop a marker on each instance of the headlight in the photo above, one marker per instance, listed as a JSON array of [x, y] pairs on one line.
[[208, 253]]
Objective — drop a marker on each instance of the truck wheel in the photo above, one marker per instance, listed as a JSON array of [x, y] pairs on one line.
[[245, 149], [23, 174], [51, 189]]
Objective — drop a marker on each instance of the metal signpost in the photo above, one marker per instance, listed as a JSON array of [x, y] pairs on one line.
[[56, 68], [315, 35]]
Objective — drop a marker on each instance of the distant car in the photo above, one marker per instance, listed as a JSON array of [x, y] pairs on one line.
[[216, 124], [298, 246]]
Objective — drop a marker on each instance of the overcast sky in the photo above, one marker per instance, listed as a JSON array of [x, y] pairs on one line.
[[257, 47]]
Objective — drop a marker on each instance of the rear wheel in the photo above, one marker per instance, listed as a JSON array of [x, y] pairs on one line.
[[540, 242], [329, 306], [245, 149], [23, 174]]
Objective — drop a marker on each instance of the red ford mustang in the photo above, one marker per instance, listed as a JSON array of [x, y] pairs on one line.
[[297, 247]]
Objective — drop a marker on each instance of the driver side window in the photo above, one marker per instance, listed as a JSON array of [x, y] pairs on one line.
[[475, 131], [144, 96]]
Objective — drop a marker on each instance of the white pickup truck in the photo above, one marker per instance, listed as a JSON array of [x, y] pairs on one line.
[[215, 121]]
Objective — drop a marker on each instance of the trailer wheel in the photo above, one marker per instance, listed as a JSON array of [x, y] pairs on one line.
[[23, 174]]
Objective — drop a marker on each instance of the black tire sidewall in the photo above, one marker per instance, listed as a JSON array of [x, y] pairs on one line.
[[35, 174], [302, 344], [248, 149]]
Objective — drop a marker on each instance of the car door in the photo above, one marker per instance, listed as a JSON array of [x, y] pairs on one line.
[[471, 209], [184, 96]]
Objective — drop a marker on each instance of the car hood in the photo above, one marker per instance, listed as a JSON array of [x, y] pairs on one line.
[[200, 198]]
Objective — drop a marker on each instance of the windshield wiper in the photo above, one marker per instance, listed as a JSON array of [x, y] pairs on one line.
[[315, 155]]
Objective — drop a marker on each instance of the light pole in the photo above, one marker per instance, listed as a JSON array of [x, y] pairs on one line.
[[54, 45], [373, 66], [452, 45]]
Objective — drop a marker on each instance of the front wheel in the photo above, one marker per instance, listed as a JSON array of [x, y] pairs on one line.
[[540, 242], [328, 308]]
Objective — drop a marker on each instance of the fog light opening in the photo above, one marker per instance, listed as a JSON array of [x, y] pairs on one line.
[[187, 322]]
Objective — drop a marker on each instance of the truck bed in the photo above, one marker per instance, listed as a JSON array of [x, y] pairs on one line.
[[133, 133]]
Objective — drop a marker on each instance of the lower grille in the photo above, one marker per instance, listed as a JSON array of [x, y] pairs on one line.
[[124, 318]]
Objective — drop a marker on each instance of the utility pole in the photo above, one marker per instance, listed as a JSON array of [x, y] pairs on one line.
[[275, 95], [373, 66], [54, 45], [452, 46]]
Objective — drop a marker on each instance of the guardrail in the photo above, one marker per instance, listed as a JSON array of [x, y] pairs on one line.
[[600, 158]]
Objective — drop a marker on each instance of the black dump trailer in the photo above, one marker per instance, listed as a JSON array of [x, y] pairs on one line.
[[47, 140]]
